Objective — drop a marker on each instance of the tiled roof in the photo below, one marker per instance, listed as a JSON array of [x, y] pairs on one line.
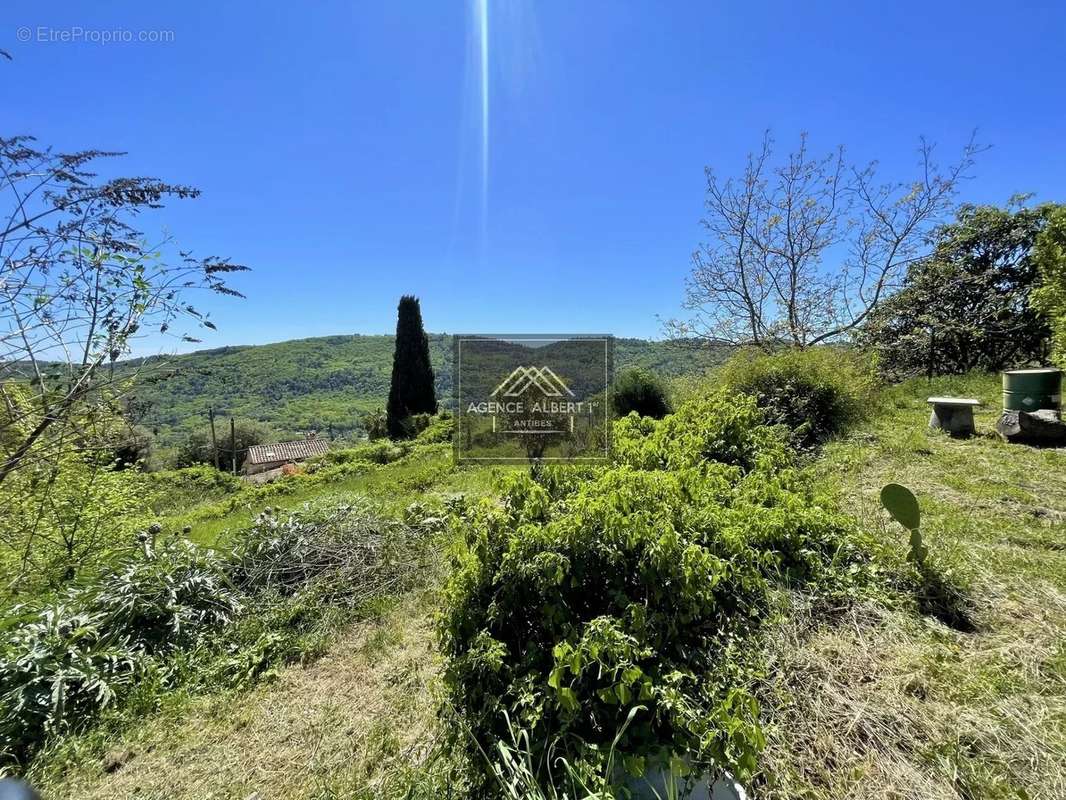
[[287, 451]]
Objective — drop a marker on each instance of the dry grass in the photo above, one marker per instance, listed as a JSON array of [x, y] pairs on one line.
[[883, 706], [361, 717], [888, 704]]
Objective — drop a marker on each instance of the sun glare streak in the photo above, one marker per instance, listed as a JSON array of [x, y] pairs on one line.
[[483, 31]]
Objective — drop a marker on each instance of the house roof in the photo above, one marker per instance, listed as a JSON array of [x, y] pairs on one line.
[[286, 451]]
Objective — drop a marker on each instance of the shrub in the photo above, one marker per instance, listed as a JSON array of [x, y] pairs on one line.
[[438, 429], [375, 424], [1049, 298], [713, 428], [63, 661], [588, 593], [62, 515], [167, 598], [177, 489], [134, 448], [815, 393], [566, 620], [640, 391], [58, 665]]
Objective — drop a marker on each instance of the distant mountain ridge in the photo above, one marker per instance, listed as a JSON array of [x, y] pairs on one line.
[[326, 382]]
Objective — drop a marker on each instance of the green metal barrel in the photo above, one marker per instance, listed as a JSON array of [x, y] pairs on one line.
[[1032, 389]]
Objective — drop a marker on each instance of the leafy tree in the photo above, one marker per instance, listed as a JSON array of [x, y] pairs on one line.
[[197, 449], [802, 251], [411, 390], [79, 283], [967, 306], [641, 391], [1049, 297]]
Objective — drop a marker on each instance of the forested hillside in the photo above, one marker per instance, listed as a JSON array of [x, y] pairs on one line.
[[326, 381]]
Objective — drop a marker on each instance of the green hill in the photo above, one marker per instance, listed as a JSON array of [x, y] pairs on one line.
[[325, 382]]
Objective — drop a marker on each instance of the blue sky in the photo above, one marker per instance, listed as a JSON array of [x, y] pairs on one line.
[[338, 144]]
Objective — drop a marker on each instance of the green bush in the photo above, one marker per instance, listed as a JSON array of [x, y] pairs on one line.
[[379, 451], [568, 620], [58, 665], [134, 448], [439, 429], [588, 593], [640, 391], [167, 598], [713, 428], [375, 424], [178, 489], [815, 393]]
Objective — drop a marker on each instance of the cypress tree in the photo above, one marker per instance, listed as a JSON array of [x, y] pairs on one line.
[[411, 390]]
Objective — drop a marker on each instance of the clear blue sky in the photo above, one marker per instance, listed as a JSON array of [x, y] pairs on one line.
[[338, 144]]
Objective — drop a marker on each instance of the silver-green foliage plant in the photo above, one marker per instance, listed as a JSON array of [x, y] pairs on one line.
[[166, 604], [63, 660], [902, 506]]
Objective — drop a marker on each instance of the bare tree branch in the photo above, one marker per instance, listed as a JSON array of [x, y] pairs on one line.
[[802, 253]]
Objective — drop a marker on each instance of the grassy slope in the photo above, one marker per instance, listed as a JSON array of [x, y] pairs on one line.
[[315, 383], [881, 703], [392, 487], [885, 704]]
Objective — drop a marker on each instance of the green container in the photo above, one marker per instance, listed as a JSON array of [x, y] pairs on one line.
[[1032, 389]]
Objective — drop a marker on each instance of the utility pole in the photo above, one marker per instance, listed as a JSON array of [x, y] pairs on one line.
[[214, 441], [233, 443]]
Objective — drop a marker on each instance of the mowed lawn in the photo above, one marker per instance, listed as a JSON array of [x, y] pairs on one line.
[[887, 703]]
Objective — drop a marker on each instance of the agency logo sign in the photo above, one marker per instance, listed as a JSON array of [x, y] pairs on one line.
[[523, 377], [532, 397]]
